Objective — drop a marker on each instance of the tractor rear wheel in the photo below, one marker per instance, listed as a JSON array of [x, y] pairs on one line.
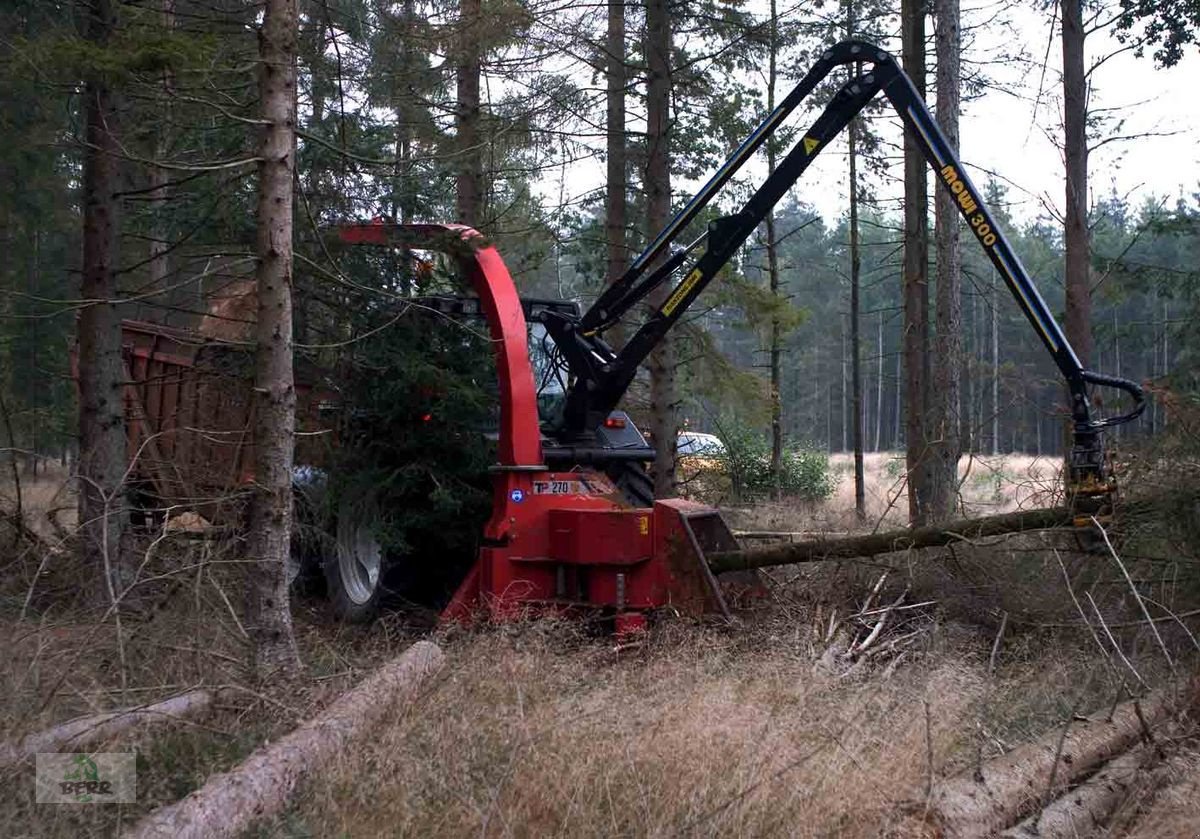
[[353, 568]]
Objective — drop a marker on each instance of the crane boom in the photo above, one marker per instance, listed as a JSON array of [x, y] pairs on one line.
[[602, 374]]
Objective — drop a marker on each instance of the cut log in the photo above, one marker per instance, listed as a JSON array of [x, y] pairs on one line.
[[96, 728], [930, 536], [1173, 811], [1002, 791], [262, 784], [1090, 806], [873, 544]]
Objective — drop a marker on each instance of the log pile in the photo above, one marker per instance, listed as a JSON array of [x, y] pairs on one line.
[[1067, 784]]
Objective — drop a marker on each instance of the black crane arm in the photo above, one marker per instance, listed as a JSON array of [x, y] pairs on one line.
[[602, 374]]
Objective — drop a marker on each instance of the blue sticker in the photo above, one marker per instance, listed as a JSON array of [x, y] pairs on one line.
[[517, 495]]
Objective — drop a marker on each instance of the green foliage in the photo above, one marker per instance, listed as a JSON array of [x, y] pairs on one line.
[[1168, 25], [419, 398], [806, 473]]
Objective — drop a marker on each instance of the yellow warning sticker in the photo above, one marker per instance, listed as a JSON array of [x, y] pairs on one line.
[[644, 525], [810, 143], [681, 292]]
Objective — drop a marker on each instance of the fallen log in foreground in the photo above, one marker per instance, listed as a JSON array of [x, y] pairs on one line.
[[1089, 807], [262, 784], [994, 796], [873, 544], [96, 728]]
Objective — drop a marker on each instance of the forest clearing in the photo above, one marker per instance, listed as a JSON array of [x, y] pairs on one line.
[[637, 419]]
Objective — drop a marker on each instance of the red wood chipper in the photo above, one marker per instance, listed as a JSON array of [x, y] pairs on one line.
[[573, 524]]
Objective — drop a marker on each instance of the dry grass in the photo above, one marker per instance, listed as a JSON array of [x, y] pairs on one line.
[[541, 729], [700, 732]]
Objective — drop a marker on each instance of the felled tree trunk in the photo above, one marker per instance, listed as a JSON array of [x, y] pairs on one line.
[[262, 784], [1092, 804], [872, 544], [96, 728], [930, 536], [996, 795]]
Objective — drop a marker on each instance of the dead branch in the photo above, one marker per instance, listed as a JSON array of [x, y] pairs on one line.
[[262, 784]]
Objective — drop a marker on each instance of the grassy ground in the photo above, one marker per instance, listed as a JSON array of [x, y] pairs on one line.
[[756, 728]]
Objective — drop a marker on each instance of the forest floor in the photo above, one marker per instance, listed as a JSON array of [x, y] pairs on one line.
[[765, 726]]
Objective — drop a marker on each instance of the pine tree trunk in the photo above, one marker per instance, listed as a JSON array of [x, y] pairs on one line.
[[879, 387], [101, 403], [617, 204], [268, 613], [915, 281], [159, 256], [776, 348], [946, 443], [995, 366], [1078, 318], [663, 420], [856, 402], [469, 196]]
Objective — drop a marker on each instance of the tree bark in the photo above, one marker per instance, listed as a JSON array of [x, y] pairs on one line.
[[945, 431], [915, 280], [617, 186], [469, 195], [102, 456], [856, 401], [776, 347], [262, 784], [268, 612], [160, 267], [664, 423], [1078, 322]]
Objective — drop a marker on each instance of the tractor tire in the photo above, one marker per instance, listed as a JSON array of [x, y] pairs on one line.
[[634, 482], [353, 568], [337, 556]]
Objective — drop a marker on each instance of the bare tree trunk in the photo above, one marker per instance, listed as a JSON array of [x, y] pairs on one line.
[[101, 404], [406, 107], [879, 387], [663, 420], [616, 206], [856, 402], [915, 282], [845, 390], [469, 199], [946, 442], [773, 271], [995, 366], [159, 266], [268, 612], [1078, 320]]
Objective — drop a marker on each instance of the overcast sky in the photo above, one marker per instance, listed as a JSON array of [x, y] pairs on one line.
[[1001, 130]]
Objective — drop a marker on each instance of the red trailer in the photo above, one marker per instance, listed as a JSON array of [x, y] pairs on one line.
[[188, 418]]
